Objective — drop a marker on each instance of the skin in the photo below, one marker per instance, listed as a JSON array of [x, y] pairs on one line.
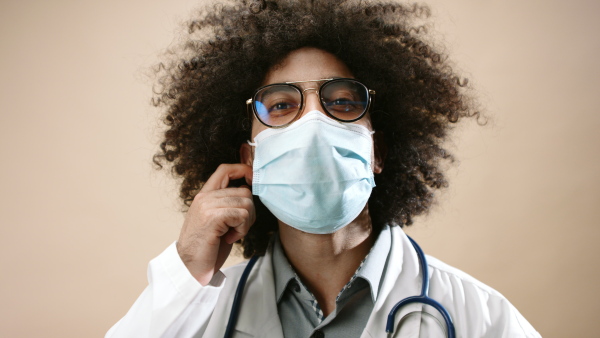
[[219, 215]]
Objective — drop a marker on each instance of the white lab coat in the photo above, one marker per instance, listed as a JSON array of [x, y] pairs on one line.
[[175, 305]]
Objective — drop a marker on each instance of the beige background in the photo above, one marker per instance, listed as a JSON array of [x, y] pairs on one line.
[[82, 211]]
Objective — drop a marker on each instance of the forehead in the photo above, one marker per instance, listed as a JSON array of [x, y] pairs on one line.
[[307, 64]]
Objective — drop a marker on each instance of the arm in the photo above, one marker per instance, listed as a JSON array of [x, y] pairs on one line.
[[172, 293], [185, 280]]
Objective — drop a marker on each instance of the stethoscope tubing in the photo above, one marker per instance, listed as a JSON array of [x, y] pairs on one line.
[[423, 298], [237, 300]]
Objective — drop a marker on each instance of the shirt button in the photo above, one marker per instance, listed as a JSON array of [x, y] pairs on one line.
[[318, 334], [295, 286]]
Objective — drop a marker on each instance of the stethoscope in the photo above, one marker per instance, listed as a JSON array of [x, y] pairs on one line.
[[423, 298]]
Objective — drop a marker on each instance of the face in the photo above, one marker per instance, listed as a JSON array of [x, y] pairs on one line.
[[302, 65]]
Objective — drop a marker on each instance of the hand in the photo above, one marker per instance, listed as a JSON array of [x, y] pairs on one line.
[[218, 217]]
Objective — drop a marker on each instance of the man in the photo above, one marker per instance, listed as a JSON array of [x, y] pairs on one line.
[[335, 115]]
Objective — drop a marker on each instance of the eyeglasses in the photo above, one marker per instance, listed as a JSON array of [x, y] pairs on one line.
[[279, 104]]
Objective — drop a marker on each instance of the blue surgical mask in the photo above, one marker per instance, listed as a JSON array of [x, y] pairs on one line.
[[314, 175]]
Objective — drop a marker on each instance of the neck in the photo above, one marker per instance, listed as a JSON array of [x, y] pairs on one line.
[[325, 263]]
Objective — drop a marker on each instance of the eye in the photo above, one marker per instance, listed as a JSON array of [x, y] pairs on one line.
[[345, 99], [279, 106], [282, 108], [280, 102], [344, 105]]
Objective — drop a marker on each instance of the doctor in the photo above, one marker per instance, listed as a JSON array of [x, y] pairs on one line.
[[328, 266]]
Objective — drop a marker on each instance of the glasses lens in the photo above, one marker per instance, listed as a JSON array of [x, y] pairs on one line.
[[278, 104], [346, 100]]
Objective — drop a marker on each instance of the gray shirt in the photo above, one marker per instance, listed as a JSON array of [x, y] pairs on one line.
[[299, 311]]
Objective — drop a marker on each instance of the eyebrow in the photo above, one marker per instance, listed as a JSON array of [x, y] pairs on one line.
[[329, 78], [320, 80]]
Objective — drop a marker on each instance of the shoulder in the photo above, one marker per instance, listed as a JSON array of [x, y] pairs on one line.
[[476, 303], [441, 271]]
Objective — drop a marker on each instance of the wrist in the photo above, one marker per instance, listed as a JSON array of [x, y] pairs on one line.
[[203, 276]]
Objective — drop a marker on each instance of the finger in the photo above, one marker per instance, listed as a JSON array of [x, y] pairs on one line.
[[224, 193], [221, 220], [230, 202], [234, 223], [216, 199], [236, 233], [225, 173], [232, 236]]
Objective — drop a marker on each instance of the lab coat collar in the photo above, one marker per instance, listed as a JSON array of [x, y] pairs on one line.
[[374, 264], [401, 279]]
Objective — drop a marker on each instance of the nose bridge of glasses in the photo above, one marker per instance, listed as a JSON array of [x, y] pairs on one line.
[[310, 88], [315, 89], [315, 85], [311, 102]]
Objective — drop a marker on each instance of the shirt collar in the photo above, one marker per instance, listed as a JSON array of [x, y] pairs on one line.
[[372, 268]]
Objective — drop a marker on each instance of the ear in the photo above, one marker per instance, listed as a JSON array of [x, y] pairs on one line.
[[380, 150], [246, 154]]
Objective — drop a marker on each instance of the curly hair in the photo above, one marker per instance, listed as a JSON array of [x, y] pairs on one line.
[[229, 49]]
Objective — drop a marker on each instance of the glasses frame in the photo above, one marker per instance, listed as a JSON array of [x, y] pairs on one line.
[[250, 102]]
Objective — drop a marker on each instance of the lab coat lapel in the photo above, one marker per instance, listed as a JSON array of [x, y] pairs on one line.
[[402, 279], [258, 314]]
